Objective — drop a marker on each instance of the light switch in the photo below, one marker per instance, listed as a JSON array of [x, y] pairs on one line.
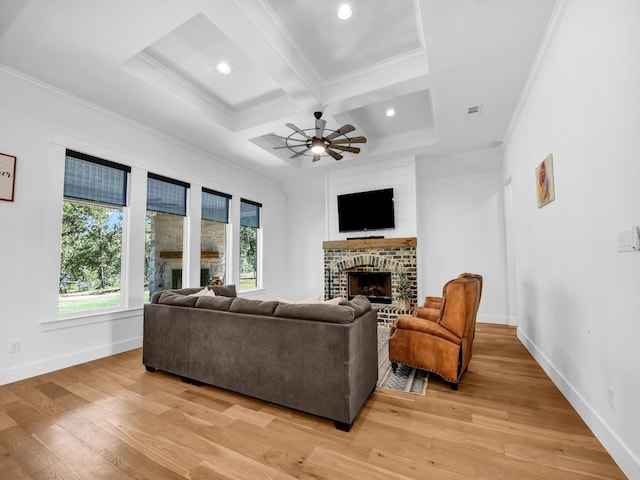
[[629, 240]]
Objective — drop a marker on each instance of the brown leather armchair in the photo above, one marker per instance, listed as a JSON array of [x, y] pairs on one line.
[[432, 305], [444, 346]]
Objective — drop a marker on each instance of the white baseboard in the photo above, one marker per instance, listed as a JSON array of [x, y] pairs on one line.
[[28, 370], [619, 451]]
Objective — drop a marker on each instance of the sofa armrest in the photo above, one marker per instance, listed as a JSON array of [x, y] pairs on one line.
[[406, 322]]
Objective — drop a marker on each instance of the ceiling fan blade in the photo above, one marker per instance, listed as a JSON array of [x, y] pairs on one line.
[[341, 131], [350, 140], [346, 149], [296, 155], [335, 155], [278, 136], [316, 157], [320, 123], [296, 129]]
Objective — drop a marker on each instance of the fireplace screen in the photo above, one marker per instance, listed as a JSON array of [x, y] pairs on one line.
[[376, 286]]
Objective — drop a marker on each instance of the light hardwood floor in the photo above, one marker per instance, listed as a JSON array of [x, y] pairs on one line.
[[110, 419]]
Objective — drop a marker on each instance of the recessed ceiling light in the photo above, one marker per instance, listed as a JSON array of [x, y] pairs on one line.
[[390, 112], [344, 12], [223, 68]]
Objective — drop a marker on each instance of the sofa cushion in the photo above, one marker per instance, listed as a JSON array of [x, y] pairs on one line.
[[214, 303], [253, 307], [322, 312], [172, 298], [360, 304], [225, 290]]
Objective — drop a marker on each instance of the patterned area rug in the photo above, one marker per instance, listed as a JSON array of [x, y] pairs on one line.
[[406, 379]]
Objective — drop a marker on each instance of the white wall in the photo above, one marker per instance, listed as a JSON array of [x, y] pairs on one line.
[[307, 229], [461, 229], [578, 301], [37, 123], [459, 220], [399, 174]]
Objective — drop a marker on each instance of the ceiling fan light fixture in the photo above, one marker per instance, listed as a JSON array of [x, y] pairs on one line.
[[318, 141], [344, 11], [317, 145]]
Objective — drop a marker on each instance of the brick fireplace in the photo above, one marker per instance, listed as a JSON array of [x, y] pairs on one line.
[[380, 255]]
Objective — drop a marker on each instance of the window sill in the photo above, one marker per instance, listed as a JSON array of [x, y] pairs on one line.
[[88, 318]]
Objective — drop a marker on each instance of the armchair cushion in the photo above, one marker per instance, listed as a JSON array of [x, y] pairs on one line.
[[418, 324]]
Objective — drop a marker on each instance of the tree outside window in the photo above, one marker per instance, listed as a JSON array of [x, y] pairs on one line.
[[91, 257], [248, 257]]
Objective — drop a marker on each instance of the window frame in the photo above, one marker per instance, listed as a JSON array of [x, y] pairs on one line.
[[257, 224], [206, 216], [183, 212], [90, 199]]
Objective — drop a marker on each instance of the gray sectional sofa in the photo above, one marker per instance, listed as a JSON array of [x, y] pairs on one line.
[[317, 358]]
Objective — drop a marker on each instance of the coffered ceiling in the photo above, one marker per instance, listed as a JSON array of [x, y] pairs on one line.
[[155, 62]]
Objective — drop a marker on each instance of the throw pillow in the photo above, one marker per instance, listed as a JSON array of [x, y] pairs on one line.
[[336, 301], [315, 299], [204, 292]]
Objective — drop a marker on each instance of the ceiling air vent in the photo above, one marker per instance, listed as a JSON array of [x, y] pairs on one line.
[[474, 110]]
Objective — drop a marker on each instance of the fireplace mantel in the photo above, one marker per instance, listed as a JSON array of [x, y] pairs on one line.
[[359, 243]]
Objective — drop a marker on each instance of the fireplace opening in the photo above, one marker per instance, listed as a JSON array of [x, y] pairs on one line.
[[376, 286]]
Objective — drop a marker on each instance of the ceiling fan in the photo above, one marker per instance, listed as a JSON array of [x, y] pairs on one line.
[[319, 141]]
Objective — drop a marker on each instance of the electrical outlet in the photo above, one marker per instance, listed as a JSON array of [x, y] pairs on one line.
[[14, 346], [612, 397]]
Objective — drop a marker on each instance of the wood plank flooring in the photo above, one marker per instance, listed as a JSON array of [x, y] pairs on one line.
[[110, 419]]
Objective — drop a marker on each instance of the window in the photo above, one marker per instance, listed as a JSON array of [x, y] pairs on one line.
[[166, 209], [95, 193], [249, 243], [213, 237]]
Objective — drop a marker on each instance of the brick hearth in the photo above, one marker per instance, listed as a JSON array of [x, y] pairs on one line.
[[371, 255]]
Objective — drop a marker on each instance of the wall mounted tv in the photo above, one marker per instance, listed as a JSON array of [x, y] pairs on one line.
[[362, 211]]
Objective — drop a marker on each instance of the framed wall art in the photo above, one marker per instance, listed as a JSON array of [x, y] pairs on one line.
[[7, 176], [545, 185]]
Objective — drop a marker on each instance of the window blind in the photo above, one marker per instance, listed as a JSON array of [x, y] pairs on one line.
[[215, 206], [95, 179], [250, 213], [166, 195]]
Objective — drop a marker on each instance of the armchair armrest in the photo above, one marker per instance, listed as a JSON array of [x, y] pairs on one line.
[[433, 302], [406, 322], [427, 313]]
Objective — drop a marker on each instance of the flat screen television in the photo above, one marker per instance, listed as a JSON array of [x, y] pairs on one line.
[[362, 211]]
